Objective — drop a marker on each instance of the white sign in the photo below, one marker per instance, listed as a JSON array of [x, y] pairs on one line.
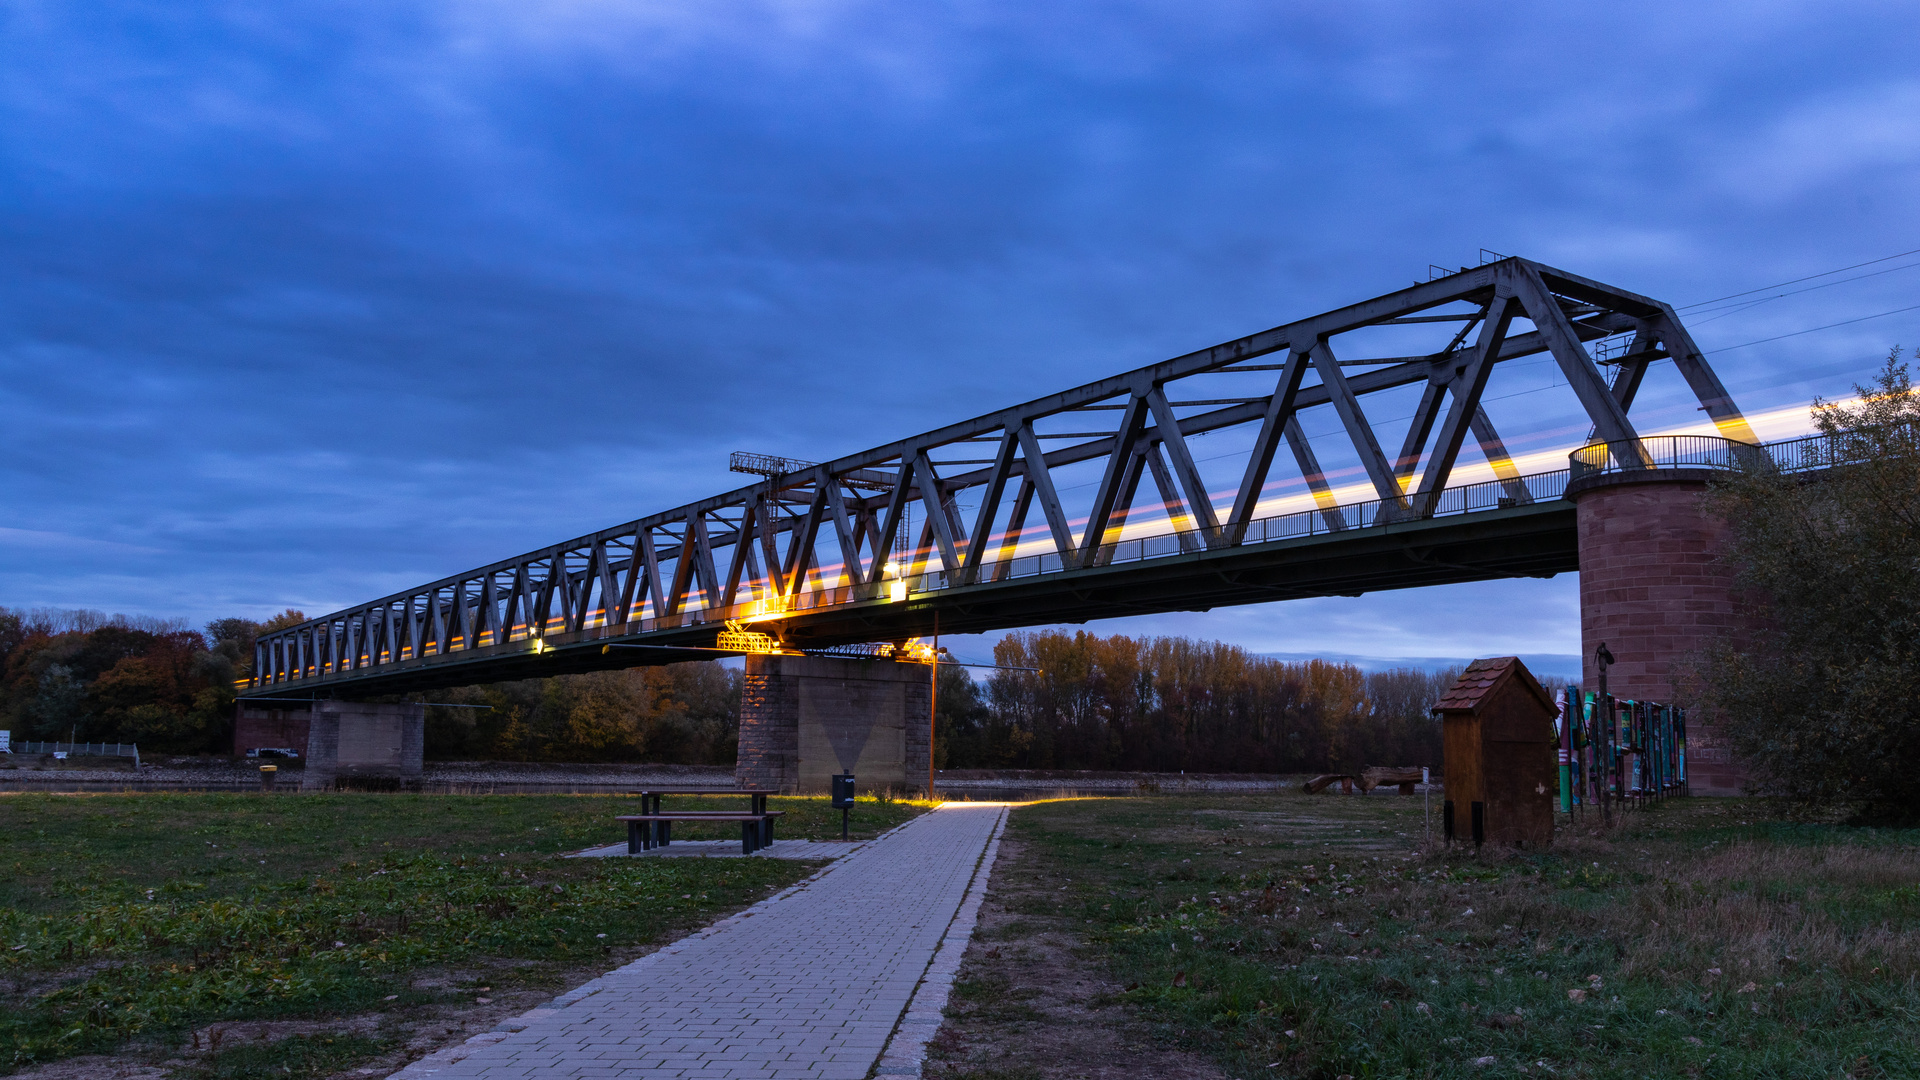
[[6, 742]]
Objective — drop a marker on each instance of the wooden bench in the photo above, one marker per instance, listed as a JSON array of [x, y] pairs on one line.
[[648, 831]]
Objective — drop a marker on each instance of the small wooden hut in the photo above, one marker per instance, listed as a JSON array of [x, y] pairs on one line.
[[1497, 733]]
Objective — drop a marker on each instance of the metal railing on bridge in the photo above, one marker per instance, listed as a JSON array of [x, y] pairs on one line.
[[1808, 453]]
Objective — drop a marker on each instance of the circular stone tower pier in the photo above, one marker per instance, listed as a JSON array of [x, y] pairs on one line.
[[1654, 587]]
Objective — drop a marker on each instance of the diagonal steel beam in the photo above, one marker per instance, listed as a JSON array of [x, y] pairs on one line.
[[1497, 457], [1365, 443], [1016, 524], [1184, 525], [1199, 499], [1701, 379], [1425, 415], [1280, 410], [1609, 419], [1129, 489], [800, 553], [933, 496], [1314, 475], [1470, 380], [1119, 464], [896, 506], [996, 487], [850, 569], [1035, 461]]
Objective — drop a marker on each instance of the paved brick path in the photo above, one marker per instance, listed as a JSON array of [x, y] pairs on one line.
[[809, 983]]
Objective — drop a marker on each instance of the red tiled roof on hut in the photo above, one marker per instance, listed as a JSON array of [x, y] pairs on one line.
[[1481, 677]]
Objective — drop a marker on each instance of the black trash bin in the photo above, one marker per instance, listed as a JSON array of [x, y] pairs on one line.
[[842, 791]]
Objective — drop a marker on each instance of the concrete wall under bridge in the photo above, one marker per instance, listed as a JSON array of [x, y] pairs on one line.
[[805, 718], [357, 741]]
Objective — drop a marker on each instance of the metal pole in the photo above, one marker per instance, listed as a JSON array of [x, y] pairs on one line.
[[933, 704], [1602, 657]]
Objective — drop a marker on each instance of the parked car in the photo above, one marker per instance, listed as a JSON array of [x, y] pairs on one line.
[[273, 751]]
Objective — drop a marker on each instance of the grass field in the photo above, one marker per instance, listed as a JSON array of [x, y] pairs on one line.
[[333, 930], [1313, 936]]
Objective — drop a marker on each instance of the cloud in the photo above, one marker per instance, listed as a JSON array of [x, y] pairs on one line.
[[322, 301], [1851, 139]]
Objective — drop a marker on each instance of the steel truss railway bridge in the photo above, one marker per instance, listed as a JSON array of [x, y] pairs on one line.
[[970, 525]]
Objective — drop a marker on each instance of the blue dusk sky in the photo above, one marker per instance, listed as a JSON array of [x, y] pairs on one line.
[[304, 303]]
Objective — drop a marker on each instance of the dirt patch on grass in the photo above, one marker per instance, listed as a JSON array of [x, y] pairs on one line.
[[1029, 1004]]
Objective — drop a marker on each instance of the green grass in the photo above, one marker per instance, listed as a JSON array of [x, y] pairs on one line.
[[1310, 936], [126, 920]]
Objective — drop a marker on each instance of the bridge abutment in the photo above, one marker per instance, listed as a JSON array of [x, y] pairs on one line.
[[1656, 590], [805, 718]]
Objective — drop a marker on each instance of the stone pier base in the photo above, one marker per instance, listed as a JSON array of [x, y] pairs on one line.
[[356, 741], [805, 718], [1656, 590]]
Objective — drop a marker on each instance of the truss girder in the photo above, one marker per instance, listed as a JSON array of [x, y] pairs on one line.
[[827, 534]]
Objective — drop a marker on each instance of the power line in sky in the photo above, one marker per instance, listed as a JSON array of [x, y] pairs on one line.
[[1798, 280], [1809, 330]]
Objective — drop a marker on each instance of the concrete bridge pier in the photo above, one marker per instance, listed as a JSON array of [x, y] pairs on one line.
[[805, 718], [353, 740], [1655, 589]]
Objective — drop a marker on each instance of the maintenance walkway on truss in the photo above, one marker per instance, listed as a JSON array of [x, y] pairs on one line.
[[818, 982]]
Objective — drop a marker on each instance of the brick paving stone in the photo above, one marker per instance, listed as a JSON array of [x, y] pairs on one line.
[[812, 982]]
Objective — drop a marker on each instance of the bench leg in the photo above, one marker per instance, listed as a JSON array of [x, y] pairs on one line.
[[634, 840], [766, 832], [748, 834]]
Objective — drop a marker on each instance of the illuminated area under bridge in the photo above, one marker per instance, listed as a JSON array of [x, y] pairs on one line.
[[1086, 504]]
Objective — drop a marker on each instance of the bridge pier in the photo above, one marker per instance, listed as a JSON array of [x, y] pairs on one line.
[[1655, 589], [358, 740], [805, 718]]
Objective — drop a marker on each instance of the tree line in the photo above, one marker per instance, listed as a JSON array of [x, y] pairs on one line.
[[1075, 700], [83, 675], [1092, 702]]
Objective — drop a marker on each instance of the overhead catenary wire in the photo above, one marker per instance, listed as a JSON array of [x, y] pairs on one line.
[[1798, 280]]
